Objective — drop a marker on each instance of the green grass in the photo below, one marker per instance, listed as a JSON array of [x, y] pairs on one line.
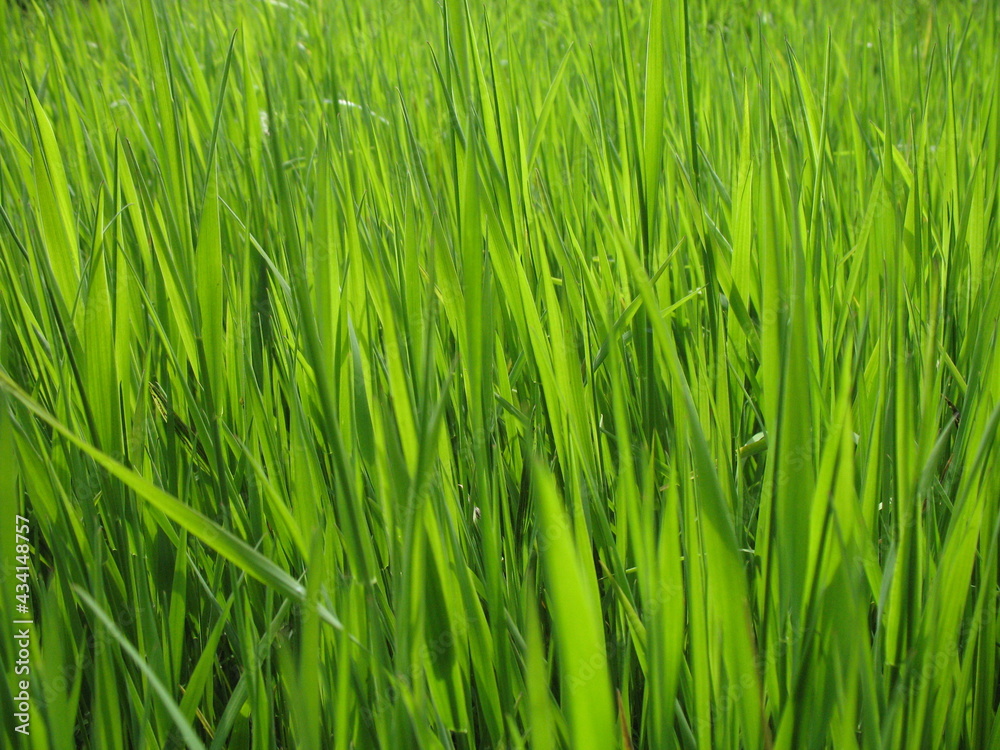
[[544, 374]]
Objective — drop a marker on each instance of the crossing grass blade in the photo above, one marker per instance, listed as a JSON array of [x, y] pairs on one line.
[[217, 538], [190, 738]]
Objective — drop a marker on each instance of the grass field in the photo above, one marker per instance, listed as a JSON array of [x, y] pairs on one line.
[[437, 374]]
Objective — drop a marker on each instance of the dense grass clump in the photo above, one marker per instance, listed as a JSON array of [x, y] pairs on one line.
[[578, 374]]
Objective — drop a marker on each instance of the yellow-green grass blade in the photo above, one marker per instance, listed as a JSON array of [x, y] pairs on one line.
[[584, 677]]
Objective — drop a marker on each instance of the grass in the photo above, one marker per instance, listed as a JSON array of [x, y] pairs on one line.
[[419, 374]]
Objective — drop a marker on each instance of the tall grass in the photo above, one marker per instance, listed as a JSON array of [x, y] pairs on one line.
[[432, 374]]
